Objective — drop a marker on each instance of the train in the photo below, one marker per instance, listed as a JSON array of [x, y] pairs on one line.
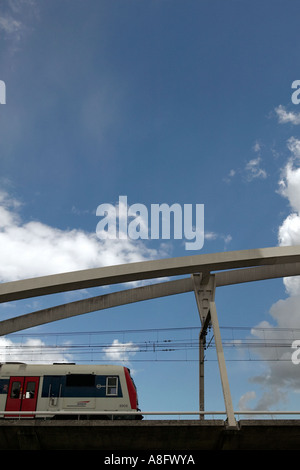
[[67, 391]]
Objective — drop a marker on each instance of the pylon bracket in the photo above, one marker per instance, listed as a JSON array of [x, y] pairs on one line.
[[204, 288]]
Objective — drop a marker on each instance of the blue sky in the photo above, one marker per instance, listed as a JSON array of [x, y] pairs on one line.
[[162, 101]]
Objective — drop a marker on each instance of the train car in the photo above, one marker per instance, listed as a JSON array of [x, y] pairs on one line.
[[64, 390]]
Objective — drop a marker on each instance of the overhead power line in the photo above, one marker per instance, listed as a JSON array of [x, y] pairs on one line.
[[167, 348]]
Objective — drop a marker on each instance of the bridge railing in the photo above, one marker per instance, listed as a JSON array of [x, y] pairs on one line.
[[144, 414]]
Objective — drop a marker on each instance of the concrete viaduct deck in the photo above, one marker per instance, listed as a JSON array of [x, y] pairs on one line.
[[162, 436]]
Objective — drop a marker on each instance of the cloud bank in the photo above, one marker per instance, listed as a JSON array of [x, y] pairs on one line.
[[120, 352], [32, 350], [285, 116], [289, 187], [281, 376], [32, 249]]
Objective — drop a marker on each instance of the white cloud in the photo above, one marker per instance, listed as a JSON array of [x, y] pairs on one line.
[[211, 236], [15, 20], [9, 25], [33, 350], [289, 231], [244, 400], [281, 376], [289, 184], [287, 116], [230, 176], [32, 249], [268, 399], [294, 146], [257, 147], [253, 169], [120, 352], [289, 187], [281, 373]]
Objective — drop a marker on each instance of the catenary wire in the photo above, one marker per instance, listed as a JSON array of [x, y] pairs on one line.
[[159, 346]]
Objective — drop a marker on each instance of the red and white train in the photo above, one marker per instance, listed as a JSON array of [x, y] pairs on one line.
[[67, 391]]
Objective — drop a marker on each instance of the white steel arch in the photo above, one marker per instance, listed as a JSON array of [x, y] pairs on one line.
[[147, 270]]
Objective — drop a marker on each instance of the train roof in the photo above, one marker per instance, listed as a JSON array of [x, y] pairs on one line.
[[19, 368]]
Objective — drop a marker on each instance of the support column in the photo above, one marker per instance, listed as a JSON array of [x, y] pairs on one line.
[[203, 292], [204, 288], [202, 345], [222, 366]]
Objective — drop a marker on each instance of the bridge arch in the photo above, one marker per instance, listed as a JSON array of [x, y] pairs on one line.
[[202, 274]]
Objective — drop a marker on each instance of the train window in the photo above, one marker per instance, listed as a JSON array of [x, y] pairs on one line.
[[30, 389], [112, 386], [80, 380], [15, 390]]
